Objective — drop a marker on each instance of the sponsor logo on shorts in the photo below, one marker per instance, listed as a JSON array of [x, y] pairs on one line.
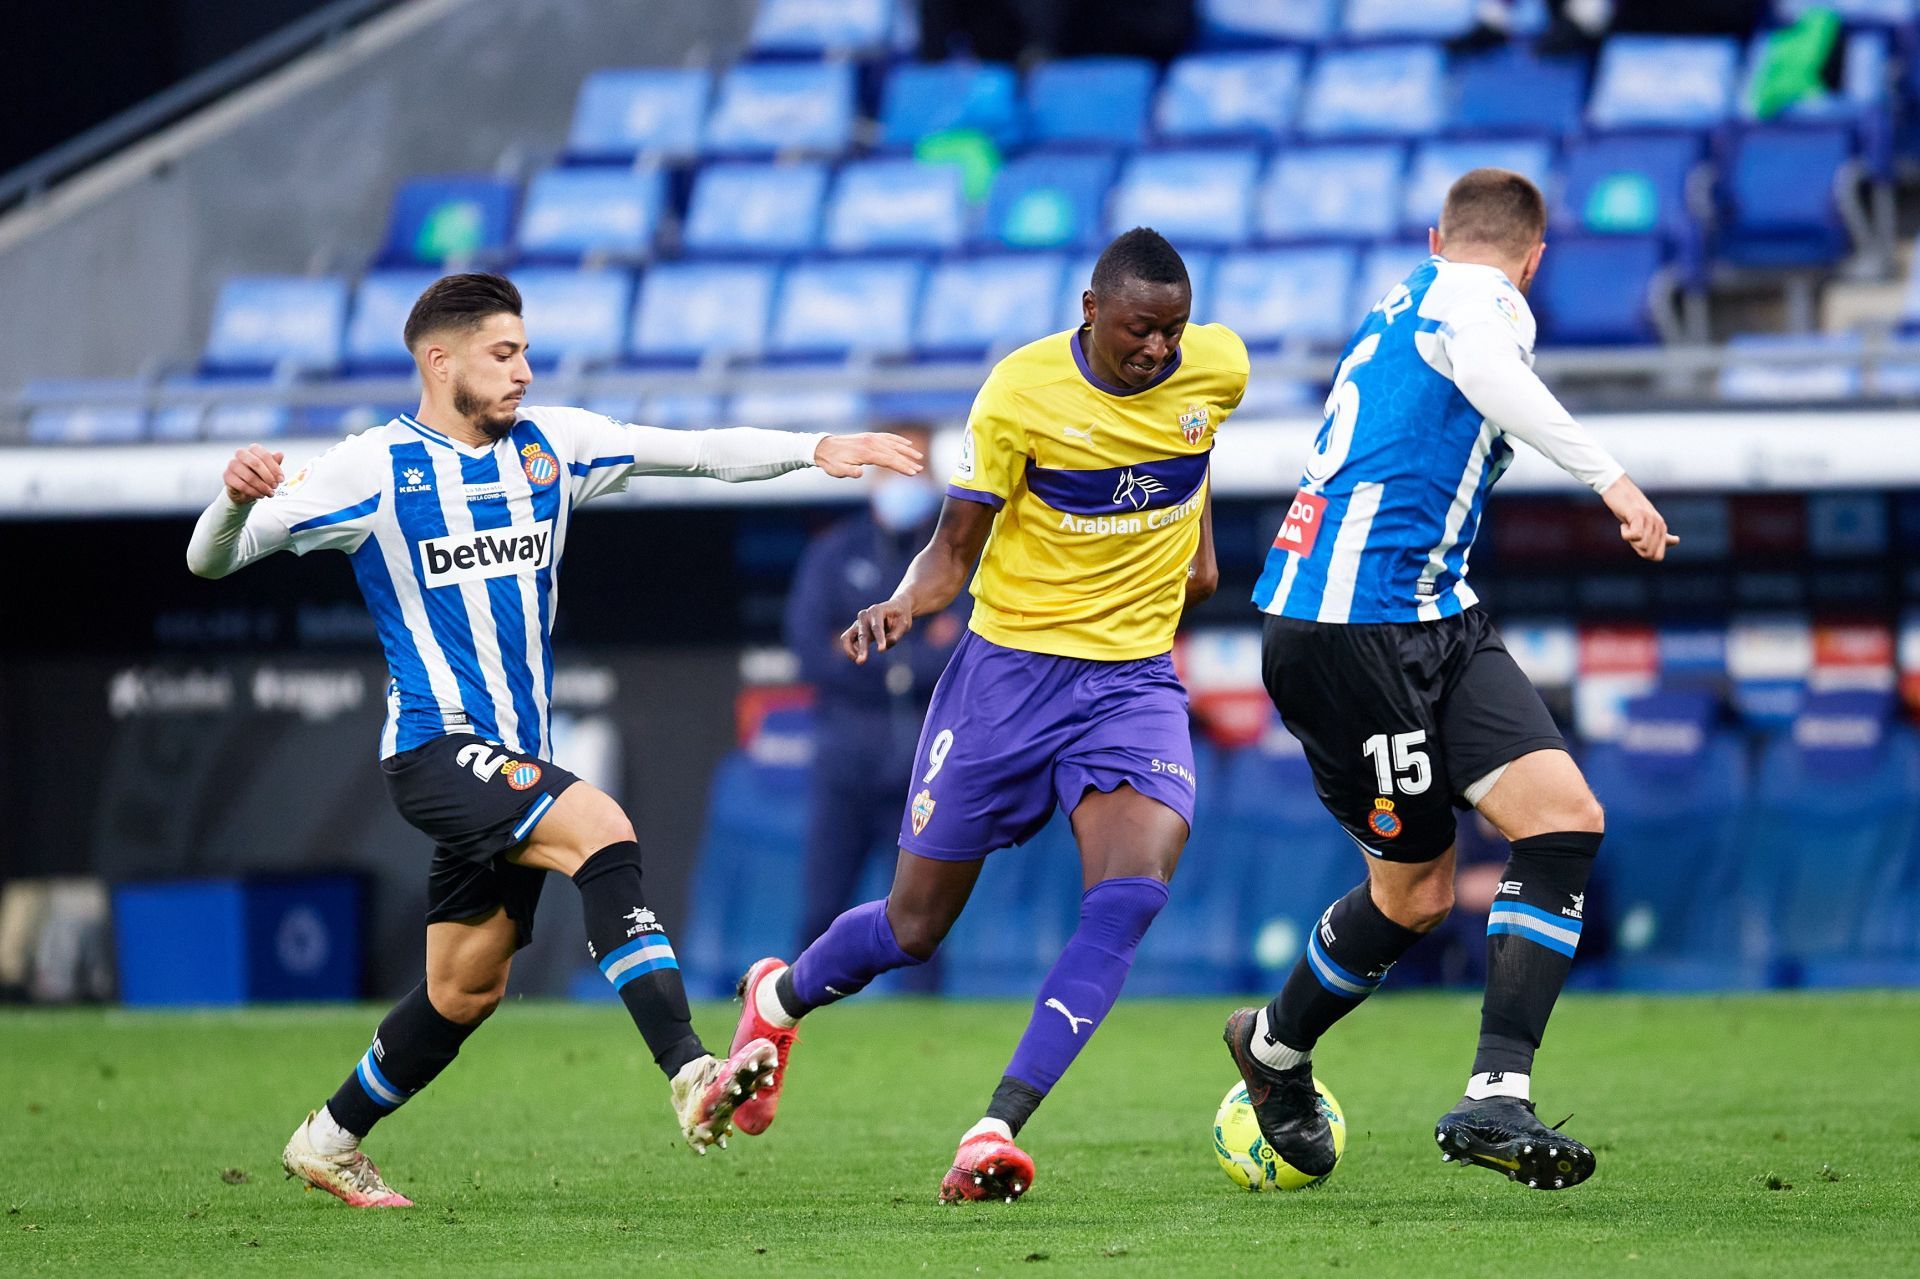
[[1181, 771], [1383, 821], [922, 810], [541, 467], [1193, 423], [520, 773], [485, 553]]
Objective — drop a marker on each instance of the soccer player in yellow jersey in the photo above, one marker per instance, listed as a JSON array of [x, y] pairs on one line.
[[1083, 476]]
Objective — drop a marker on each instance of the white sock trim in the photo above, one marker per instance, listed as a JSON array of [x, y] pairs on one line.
[[998, 1127], [766, 1001], [1510, 1083], [1271, 1051], [328, 1137]]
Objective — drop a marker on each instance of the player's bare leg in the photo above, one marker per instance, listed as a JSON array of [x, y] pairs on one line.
[[1130, 844], [467, 966], [875, 937], [587, 837], [1542, 805]]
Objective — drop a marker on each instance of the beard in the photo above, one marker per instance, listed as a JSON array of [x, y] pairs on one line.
[[494, 424]]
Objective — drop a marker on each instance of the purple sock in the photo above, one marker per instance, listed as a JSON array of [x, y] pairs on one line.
[[856, 948], [1077, 994]]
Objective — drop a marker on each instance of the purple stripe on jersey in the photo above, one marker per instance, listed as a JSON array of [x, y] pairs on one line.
[[974, 495], [1098, 384], [1140, 487]]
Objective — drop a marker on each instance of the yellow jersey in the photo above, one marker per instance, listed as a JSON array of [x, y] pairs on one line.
[[1098, 491]]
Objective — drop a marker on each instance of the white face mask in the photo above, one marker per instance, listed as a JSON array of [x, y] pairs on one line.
[[900, 503]]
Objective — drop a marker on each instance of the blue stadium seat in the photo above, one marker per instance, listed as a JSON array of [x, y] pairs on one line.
[[813, 28], [1192, 197], [1273, 297], [1393, 91], [1228, 24], [1671, 859], [764, 107], [1852, 12], [1049, 202], [247, 421], [1074, 284], [1230, 96], [1512, 92], [755, 208], [1332, 193], [266, 322], [688, 311], [1396, 19], [1599, 291], [1198, 943], [879, 205], [1381, 267], [822, 408], [974, 306], [65, 411], [1781, 188], [574, 213], [1090, 100], [381, 301], [691, 410], [655, 112], [1664, 82], [1024, 907], [449, 221], [574, 316], [1758, 375], [1437, 165], [847, 306], [923, 98], [1634, 185]]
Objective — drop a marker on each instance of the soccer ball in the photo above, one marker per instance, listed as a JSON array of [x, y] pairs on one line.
[[1245, 1154]]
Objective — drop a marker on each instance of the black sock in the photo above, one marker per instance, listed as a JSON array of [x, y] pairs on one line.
[[1531, 935], [631, 947], [414, 1043], [1014, 1103], [1347, 957]]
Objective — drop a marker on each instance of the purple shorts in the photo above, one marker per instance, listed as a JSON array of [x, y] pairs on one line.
[[1010, 733]]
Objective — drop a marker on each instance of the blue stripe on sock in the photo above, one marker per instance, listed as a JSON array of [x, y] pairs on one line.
[[1545, 917], [644, 967], [652, 941], [378, 1087], [1532, 935], [1331, 975]]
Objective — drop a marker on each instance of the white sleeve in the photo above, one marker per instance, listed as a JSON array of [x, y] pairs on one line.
[[227, 538], [328, 503], [606, 453], [1491, 370]]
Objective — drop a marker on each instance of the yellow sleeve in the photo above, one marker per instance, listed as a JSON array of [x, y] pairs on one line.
[[993, 449]]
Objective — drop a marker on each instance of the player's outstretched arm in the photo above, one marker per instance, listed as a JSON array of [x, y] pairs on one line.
[[1641, 525], [846, 456], [934, 578], [216, 548]]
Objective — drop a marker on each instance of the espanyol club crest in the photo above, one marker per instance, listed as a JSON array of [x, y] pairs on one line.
[[519, 773], [541, 467], [1193, 423], [1383, 821], [922, 810]]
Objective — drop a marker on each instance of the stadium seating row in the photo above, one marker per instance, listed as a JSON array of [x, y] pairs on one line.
[[1729, 863]]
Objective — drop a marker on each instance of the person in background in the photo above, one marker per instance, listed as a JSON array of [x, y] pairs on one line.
[[867, 718]]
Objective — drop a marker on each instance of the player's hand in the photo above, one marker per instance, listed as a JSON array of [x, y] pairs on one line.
[[253, 474], [1641, 525], [878, 628], [845, 456]]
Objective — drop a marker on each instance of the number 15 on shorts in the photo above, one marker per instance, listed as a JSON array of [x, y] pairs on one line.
[[1398, 764]]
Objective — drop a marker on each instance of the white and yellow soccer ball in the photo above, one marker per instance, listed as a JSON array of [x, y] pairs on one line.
[[1247, 1158]]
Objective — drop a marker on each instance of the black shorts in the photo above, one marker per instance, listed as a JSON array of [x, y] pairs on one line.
[[1398, 718], [477, 801]]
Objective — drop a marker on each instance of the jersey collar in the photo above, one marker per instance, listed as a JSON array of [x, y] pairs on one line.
[[441, 437], [1094, 380]]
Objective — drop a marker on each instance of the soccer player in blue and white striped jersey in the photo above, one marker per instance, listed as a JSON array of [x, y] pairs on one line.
[[1402, 694], [455, 519]]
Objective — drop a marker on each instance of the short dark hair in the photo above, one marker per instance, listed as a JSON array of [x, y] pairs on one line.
[[460, 302], [1496, 207], [1140, 254]]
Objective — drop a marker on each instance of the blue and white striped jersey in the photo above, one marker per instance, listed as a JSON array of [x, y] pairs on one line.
[[457, 550], [1393, 492]]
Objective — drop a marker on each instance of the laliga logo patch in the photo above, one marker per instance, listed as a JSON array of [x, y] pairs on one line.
[[1508, 311], [541, 467], [922, 810], [1193, 423], [520, 774], [1383, 821]]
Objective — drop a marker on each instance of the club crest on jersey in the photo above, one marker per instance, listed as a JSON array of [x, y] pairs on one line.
[[1383, 821], [519, 773], [541, 467], [1193, 423], [922, 810]]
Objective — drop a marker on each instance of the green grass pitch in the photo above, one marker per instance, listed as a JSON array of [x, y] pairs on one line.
[[1764, 1135]]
